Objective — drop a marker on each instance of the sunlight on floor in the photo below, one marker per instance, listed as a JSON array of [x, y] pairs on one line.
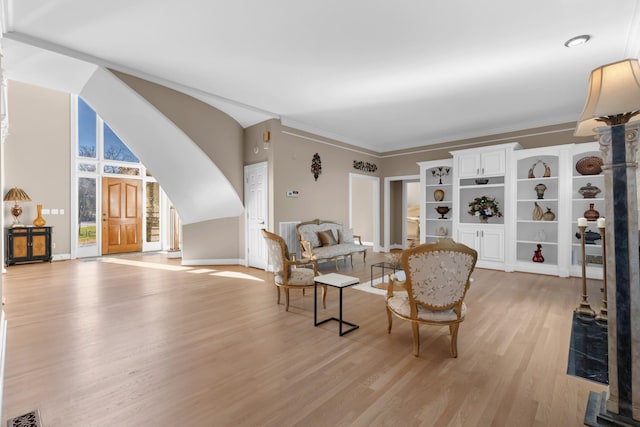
[[144, 264], [157, 266], [236, 275]]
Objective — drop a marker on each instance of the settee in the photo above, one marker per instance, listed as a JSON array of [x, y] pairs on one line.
[[328, 241]]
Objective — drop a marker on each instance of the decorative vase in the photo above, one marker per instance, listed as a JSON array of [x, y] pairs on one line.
[[39, 221], [540, 189], [548, 215], [589, 191], [591, 214], [537, 212], [547, 169], [438, 195], [537, 254]]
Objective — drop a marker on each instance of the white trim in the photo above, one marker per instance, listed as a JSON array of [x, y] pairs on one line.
[[61, 257], [376, 206]]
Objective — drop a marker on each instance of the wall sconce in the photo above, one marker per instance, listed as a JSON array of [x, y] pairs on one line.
[[266, 139], [16, 195]]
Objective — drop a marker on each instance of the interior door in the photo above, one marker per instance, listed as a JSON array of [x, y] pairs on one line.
[[121, 215], [256, 205]]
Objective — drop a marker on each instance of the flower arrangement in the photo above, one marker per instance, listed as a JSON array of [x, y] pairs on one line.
[[484, 207]]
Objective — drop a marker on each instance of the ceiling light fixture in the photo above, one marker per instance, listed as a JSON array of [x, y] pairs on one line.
[[577, 40]]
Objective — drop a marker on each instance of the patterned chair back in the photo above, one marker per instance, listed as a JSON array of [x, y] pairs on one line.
[[438, 273], [278, 251]]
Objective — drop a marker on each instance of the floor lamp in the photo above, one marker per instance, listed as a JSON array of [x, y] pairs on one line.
[[612, 111]]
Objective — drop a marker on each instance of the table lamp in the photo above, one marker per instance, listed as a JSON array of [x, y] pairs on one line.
[[16, 195]]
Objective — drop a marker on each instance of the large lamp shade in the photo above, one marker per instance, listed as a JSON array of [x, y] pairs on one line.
[[614, 91]]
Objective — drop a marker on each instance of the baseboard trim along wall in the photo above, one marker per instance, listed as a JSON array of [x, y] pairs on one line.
[[191, 262]]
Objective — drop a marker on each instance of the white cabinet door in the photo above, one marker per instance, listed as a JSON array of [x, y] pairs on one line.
[[492, 245], [469, 236], [469, 165], [493, 163], [489, 242]]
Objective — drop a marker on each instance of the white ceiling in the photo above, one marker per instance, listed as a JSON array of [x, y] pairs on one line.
[[383, 75]]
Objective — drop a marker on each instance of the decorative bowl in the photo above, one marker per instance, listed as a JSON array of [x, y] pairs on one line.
[[590, 165], [443, 210], [482, 181]]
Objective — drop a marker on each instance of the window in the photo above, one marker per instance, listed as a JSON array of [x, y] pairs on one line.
[[86, 130], [86, 211], [115, 149]]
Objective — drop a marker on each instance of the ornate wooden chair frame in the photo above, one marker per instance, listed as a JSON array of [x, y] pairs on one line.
[[438, 276], [288, 273]]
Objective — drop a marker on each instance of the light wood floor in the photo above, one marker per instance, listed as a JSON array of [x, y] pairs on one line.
[[142, 341]]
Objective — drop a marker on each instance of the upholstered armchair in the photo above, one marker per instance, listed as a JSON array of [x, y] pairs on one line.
[[437, 277], [289, 273]]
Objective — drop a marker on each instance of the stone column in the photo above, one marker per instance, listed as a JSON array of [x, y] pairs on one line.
[[618, 145]]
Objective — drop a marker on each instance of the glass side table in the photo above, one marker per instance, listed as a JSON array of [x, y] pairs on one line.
[[384, 266]]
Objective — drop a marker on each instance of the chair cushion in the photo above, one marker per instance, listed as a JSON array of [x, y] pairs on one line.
[[297, 277], [400, 304]]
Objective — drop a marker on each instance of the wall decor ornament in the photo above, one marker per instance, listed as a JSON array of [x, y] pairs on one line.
[[364, 166], [316, 166], [547, 169], [438, 195]]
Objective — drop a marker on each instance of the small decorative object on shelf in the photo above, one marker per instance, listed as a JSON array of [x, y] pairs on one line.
[[541, 235], [590, 237], [316, 166], [547, 169], [540, 189], [439, 172], [590, 165], [39, 221], [484, 207], [443, 210], [537, 212], [591, 214], [438, 195], [482, 181], [589, 191], [537, 254], [548, 215], [442, 231]]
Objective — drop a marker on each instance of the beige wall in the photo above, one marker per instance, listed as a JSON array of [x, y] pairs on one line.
[[221, 138], [328, 197], [37, 156], [362, 208]]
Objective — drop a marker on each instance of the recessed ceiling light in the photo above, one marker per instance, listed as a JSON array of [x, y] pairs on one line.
[[577, 40]]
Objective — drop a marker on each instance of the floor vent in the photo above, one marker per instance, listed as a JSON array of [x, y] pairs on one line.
[[31, 419]]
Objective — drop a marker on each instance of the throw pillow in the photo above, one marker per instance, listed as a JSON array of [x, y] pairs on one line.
[[345, 236], [326, 237]]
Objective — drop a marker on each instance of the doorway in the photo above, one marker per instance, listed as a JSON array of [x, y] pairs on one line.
[[364, 208], [121, 215], [398, 207], [256, 204]]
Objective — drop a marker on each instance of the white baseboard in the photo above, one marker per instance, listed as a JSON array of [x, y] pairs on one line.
[[60, 257], [231, 261]]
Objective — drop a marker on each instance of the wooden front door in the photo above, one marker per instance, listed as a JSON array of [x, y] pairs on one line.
[[121, 215]]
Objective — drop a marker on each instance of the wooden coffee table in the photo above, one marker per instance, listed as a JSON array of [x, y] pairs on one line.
[[339, 281]]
